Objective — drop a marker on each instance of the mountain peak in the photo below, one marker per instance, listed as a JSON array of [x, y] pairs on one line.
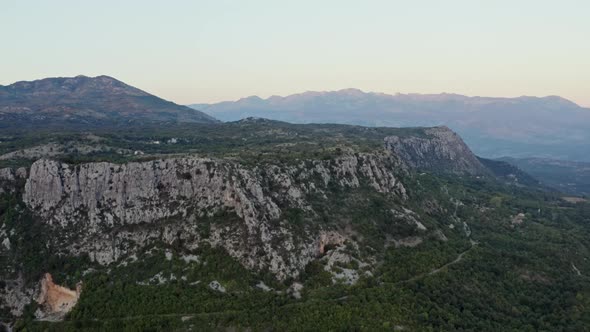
[[250, 99], [352, 92], [83, 100], [68, 87]]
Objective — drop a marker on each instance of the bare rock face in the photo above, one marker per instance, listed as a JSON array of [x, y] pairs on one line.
[[440, 151], [15, 295], [142, 192], [9, 174], [216, 286], [9, 178], [100, 202], [113, 212], [55, 301], [329, 240]]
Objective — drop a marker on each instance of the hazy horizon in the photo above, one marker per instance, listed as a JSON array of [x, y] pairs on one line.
[[265, 97], [206, 52]]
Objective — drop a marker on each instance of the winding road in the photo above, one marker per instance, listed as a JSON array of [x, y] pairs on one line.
[[438, 269]]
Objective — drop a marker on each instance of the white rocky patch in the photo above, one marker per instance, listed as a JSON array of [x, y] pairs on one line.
[[15, 296], [190, 258], [410, 216], [340, 274], [410, 241], [576, 270], [216, 286], [466, 229], [295, 290], [263, 286], [440, 235], [518, 219], [6, 243], [88, 271], [158, 278], [420, 226]]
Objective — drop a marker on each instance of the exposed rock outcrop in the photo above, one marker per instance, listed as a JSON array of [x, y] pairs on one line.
[[10, 177], [9, 174], [440, 151], [14, 295], [55, 301], [329, 240], [112, 212], [102, 200], [216, 286]]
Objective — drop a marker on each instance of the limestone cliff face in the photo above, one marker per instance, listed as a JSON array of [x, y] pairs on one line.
[[106, 194], [440, 150], [9, 175], [111, 211], [101, 201]]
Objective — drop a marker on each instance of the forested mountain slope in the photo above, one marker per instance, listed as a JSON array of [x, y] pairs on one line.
[[262, 225]]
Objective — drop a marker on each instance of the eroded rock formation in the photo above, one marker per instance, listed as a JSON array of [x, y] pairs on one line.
[[109, 212], [440, 150], [102, 200], [55, 301]]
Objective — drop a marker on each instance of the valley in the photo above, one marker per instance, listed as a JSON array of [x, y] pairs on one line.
[[566, 176]]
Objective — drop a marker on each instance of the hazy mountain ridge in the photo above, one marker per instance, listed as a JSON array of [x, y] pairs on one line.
[[86, 101], [493, 127]]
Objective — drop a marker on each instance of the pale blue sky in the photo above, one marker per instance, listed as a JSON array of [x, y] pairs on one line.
[[205, 51]]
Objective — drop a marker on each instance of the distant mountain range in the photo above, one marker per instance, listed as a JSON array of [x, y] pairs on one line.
[[550, 127], [523, 127], [86, 101]]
